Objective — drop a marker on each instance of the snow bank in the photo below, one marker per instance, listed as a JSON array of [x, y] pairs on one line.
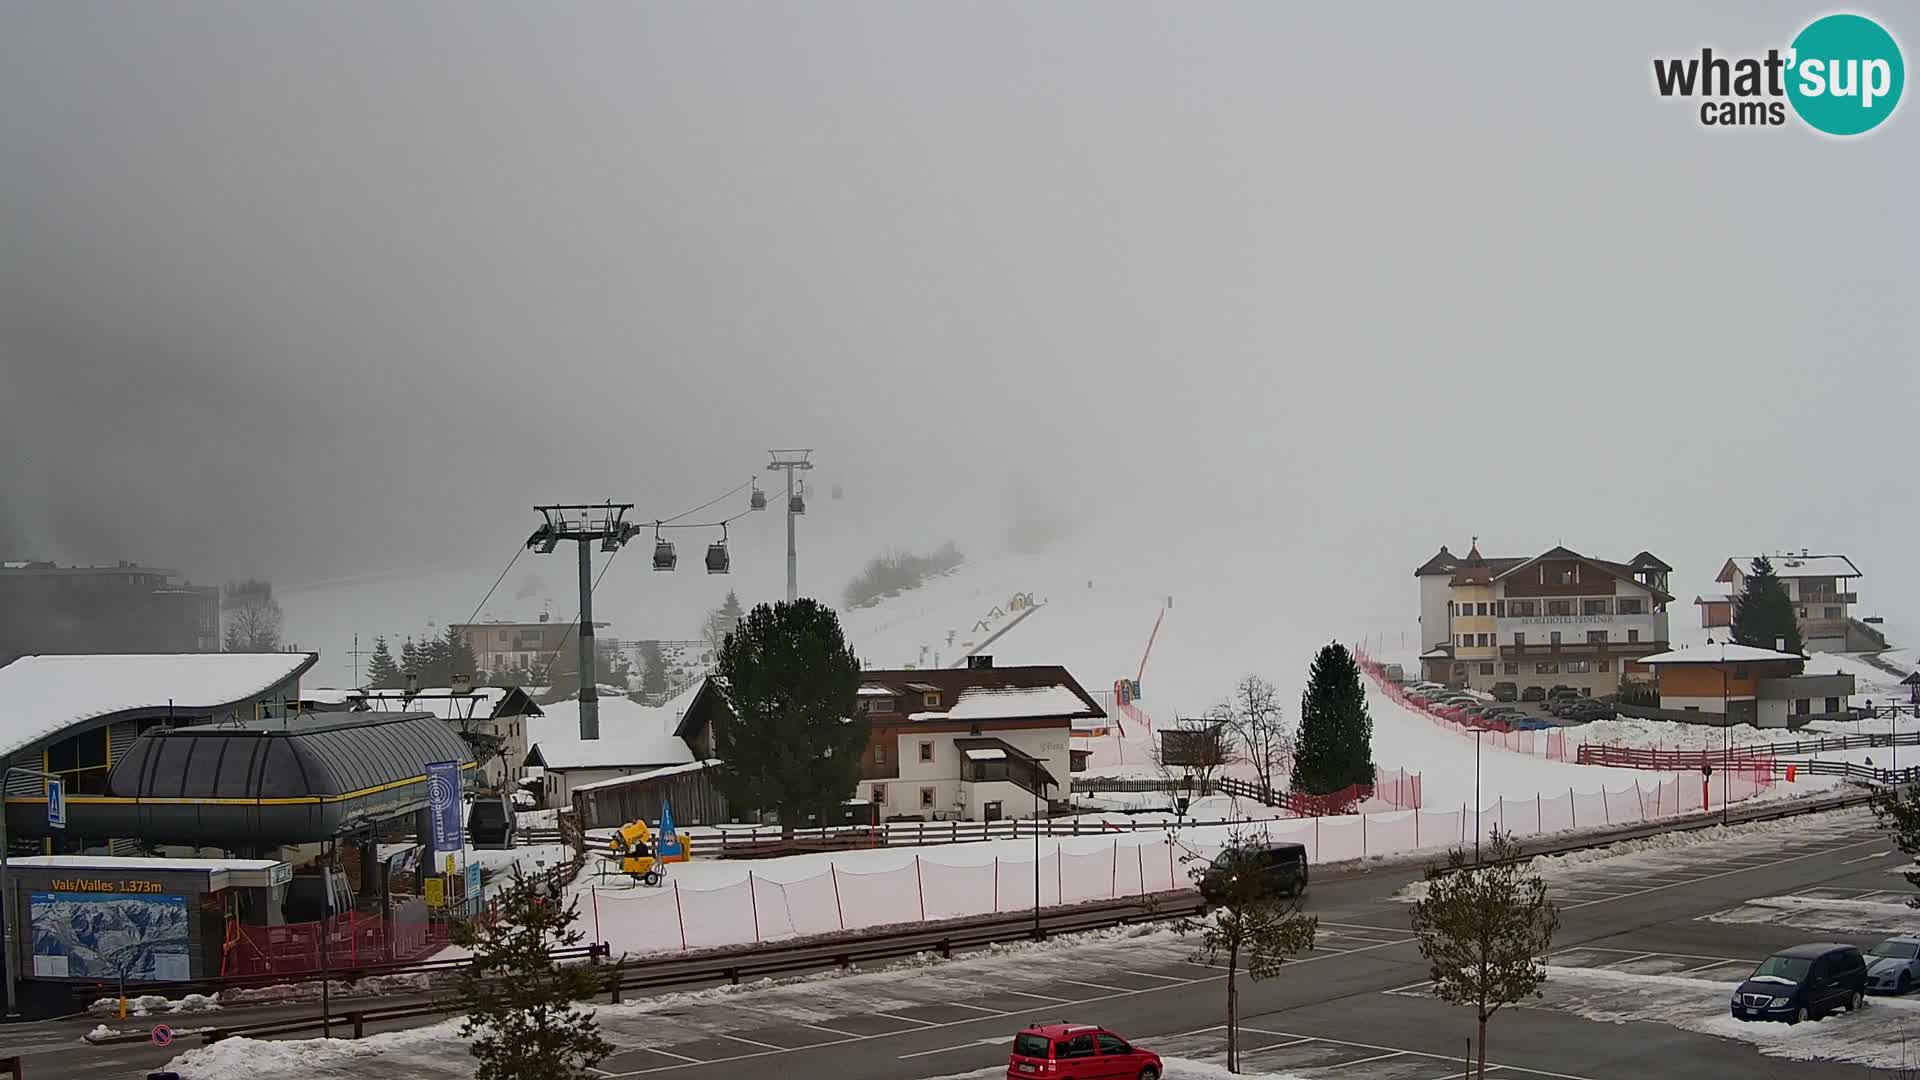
[[154, 1005], [1815, 913], [1873, 1037]]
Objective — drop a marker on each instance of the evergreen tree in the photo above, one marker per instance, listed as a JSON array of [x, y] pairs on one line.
[[1897, 806], [460, 658], [722, 620], [1336, 733], [653, 669], [1484, 930], [410, 661], [522, 1017], [382, 672], [1762, 614], [794, 742]]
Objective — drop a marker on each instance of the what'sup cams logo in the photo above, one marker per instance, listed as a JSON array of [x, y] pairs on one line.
[[1842, 75]]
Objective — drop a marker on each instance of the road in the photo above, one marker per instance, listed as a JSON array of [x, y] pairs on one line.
[[1354, 1009]]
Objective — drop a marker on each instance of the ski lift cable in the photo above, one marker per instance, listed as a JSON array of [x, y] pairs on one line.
[[517, 552], [709, 502], [571, 626]]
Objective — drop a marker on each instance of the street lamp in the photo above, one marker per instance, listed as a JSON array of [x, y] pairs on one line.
[[1039, 793], [7, 906]]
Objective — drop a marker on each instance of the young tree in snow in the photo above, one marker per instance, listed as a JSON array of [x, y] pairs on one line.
[[459, 656], [1247, 922], [1336, 734], [382, 672], [1260, 730], [523, 1020], [1192, 753], [410, 660], [794, 742], [250, 617], [1484, 929], [1762, 614], [1897, 806], [721, 620]]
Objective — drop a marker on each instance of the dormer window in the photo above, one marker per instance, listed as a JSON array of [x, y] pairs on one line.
[[931, 701], [879, 704]]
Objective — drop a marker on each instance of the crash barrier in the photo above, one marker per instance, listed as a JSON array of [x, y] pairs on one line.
[[1551, 744], [1641, 757], [852, 894]]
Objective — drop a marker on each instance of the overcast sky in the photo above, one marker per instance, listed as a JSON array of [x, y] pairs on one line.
[[332, 289]]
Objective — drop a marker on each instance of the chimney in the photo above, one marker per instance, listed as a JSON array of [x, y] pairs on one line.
[[1779, 644]]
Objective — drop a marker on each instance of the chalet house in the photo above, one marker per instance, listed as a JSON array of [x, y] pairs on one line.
[[1739, 684], [977, 743], [1824, 593], [1556, 618]]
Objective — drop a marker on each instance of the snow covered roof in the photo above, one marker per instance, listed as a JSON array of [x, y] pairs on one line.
[[118, 862], [989, 754], [481, 704], [1793, 566], [622, 751], [651, 774], [874, 691], [47, 694], [1016, 702], [630, 734], [1717, 654]]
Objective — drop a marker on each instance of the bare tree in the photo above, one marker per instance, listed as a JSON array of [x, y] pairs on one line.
[[251, 617], [1484, 930], [1191, 753], [1264, 737], [1248, 921]]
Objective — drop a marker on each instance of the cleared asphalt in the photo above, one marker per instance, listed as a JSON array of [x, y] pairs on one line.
[[1354, 1010]]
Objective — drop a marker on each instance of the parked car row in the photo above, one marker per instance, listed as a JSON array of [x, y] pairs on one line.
[[1496, 709]]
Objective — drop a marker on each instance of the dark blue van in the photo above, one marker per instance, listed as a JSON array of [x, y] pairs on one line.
[[1805, 982]]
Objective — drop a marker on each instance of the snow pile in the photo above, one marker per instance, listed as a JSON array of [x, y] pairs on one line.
[[154, 1005], [995, 703], [372, 986], [1873, 1037], [251, 1059], [1816, 913]]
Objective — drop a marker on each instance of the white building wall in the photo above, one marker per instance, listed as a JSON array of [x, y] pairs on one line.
[[1435, 591]]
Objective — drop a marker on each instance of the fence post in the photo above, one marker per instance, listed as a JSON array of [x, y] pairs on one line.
[[1170, 884], [1463, 824], [841, 914], [1140, 858], [1606, 807], [1059, 873], [359, 1024], [1573, 809], [1416, 828], [1363, 835], [1641, 798], [921, 886], [1539, 819], [1113, 889], [681, 915], [755, 902], [996, 890]]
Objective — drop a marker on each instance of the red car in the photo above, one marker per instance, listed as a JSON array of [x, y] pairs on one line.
[[1078, 1052]]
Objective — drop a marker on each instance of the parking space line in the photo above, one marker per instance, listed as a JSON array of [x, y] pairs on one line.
[[1728, 873], [1039, 997], [897, 1016], [1390, 1051], [669, 1053], [1151, 975], [1364, 1060], [750, 1042], [1408, 987], [981, 1009], [1866, 858], [825, 1028], [1274, 1046], [1097, 986]]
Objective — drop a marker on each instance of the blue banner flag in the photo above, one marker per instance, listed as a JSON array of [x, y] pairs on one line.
[[443, 801], [669, 840]]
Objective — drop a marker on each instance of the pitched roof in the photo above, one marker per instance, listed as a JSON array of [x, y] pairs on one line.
[[1623, 571], [1052, 685], [46, 694], [1442, 563], [1719, 654], [1647, 560], [625, 750], [1794, 566]]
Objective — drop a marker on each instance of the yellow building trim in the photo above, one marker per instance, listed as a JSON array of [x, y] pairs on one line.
[[300, 800]]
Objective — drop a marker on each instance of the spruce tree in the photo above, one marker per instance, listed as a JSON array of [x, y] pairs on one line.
[[1763, 616], [460, 658], [410, 660], [653, 673], [1336, 733], [794, 742], [523, 1019], [382, 672]]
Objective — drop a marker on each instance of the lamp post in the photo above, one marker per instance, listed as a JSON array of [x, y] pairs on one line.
[[8, 908], [1726, 736], [1039, 793]]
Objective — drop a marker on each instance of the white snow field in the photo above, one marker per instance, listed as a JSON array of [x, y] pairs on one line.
[[1875, 1037], [1887, 913]]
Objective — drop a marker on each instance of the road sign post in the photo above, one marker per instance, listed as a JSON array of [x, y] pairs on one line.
[[56, 804]]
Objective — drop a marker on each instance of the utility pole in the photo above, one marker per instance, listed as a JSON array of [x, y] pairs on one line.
[[789, 460], [356, 652], [613, 531]]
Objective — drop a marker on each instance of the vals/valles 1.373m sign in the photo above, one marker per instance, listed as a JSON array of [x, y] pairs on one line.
[[1841, 75]]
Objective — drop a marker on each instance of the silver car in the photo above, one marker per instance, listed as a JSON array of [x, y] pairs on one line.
[[1893, 966]]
